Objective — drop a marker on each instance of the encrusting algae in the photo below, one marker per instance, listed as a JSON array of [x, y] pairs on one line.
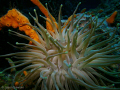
[[65, 57]]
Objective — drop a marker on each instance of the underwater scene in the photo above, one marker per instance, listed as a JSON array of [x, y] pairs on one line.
[[59, 44]]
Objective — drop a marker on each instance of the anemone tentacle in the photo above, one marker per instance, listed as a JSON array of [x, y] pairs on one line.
[[68, 58]]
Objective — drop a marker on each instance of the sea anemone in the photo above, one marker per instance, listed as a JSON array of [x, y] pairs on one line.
[[69, 58]]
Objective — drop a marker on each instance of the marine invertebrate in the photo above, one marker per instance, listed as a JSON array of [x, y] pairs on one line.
[[16, 19], [45, 12], [111, 19], [67, 59], [100, 11], [83, 10]]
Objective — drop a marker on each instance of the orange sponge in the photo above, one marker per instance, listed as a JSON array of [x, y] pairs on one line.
[[45, 12], [111, 19], [83, 10], [42, 9], [17, 83], [100, 11], [68, 20], [25, 73], [15, 19]]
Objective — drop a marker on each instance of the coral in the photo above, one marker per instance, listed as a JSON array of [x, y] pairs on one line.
[[72, 59], [111, 19], [15, 19]]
